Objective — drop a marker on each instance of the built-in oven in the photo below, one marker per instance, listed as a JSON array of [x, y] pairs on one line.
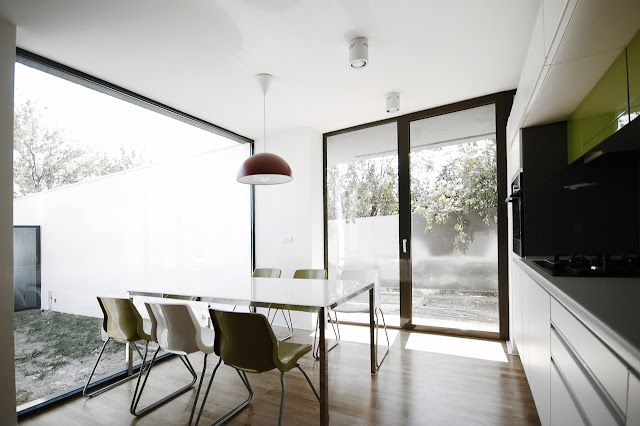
[[518, 214]]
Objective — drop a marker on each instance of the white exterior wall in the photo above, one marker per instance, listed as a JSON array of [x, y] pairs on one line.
[[292, 210], [7, 372], [179, 224]]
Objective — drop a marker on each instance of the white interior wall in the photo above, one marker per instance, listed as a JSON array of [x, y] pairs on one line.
[[174, 227], [289, 217], [7, 372]]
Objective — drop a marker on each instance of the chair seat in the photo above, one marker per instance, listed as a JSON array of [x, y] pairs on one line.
[[352, 308], [290, 353], [207, 335]]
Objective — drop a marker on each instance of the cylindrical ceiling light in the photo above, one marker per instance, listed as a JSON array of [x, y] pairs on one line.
[[264, 168], [359, 52], [392, 102]]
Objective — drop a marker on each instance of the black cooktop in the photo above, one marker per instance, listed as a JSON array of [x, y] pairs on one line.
[[610, 265]]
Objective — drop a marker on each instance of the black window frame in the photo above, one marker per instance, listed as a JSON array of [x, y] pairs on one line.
[[503, 102]]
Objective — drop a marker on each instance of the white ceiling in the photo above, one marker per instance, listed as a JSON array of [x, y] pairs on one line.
[[201, 56]]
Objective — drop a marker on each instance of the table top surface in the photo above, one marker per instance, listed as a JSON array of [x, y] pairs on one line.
[[288, 293]]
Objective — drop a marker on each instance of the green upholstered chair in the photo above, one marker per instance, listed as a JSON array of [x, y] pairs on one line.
[[247, 343], [360, 304], [316, 274], [267, 272], [320, 274], [122, 323]]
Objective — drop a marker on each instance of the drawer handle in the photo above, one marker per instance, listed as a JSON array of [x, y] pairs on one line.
[[609, 402]]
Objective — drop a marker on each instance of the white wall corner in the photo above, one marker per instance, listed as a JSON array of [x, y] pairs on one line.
[[7, 372]]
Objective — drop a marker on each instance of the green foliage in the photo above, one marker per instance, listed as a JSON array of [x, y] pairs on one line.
[[465, 183], [447, 184], [47, 158], [363, 188]]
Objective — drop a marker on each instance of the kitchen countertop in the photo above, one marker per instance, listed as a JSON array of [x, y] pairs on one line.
[[609, 307]]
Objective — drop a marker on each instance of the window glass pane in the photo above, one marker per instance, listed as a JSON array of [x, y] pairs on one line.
[[454, 240], [362, 204], [125, 199]]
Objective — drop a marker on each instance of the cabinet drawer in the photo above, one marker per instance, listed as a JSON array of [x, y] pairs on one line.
[[564, 409], [588, 396], [605, 366]]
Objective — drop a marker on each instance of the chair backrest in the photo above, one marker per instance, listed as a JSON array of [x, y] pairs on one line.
[[267, 272], [318, 274], [371, 275], [247, 341], [180, 297], [122, 321], [177, 330]]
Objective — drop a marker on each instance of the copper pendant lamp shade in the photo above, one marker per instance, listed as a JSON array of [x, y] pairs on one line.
[[264, 168]]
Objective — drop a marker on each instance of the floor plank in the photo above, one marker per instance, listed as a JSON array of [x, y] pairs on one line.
[[413, 387]]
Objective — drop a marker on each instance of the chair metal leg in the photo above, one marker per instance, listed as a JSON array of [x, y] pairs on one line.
[[289, 322], [378, 364], [281, 398], [195, 403], [137, 395], [237, 409], [316, 347], [308, 381], [106, 388]]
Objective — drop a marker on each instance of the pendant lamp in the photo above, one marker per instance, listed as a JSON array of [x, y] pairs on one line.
[[264, 168]]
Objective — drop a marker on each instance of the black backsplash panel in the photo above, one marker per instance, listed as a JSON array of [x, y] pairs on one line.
[[579, 208]]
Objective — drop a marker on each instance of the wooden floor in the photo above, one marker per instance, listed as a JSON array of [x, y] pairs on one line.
[[413, 387]]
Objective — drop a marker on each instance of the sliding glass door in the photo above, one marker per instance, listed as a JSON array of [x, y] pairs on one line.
[[417, 197], [454, 240]]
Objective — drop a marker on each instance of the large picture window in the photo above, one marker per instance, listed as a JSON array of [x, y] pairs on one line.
[[124, 198]]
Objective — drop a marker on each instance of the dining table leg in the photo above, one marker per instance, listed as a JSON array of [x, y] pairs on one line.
[[324, 368], [372, 326]]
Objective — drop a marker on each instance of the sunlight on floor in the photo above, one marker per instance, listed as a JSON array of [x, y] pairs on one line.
[[358, 334], [470, 348]]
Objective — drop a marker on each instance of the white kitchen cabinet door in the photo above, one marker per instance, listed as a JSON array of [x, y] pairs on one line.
[[556, 17], [537, 327], [533, 65], [633, 402], [516, 308], [564, 411]]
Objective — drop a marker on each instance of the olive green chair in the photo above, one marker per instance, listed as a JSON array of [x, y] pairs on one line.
[[247, 343], [122, 323], [267, 273], [320, 274]]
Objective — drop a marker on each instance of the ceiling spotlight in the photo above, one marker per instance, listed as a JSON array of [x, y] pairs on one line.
[[359, 52], [392, 102]]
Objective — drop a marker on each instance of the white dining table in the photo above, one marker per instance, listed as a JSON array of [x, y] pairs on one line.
[[307, 295]]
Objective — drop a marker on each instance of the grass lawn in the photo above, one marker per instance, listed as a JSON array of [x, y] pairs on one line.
[[55, 352]]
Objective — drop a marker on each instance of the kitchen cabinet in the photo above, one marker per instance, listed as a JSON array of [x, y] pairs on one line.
[[556, 16], [602, 112], [633, 72], [564, 408], [574, 375], [536, 320], [633, 414], [516, 323]]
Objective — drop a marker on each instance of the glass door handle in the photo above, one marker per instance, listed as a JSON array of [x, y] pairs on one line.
[[404, 245]]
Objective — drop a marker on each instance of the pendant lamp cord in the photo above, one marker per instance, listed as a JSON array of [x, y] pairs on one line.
[[264, 120]]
